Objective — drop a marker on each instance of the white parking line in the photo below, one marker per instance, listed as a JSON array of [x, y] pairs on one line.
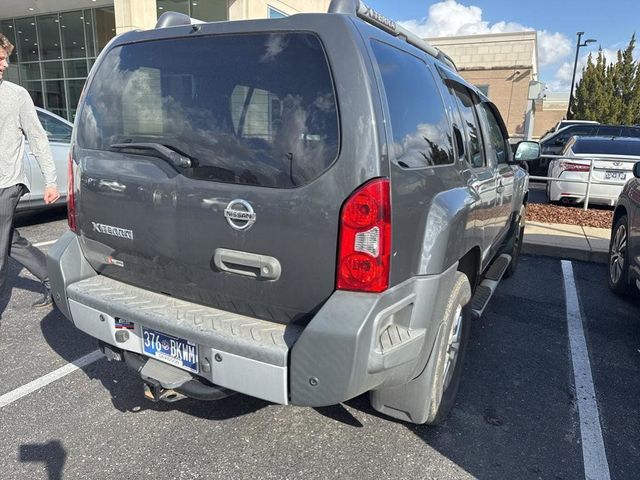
[[44, 244], [593, 452], [45, 380]]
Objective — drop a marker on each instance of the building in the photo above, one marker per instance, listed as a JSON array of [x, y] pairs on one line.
[[57, 41], [549, 111], [503, 66]]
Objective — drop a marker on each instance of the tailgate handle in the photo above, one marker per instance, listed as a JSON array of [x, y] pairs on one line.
[[260, 267]]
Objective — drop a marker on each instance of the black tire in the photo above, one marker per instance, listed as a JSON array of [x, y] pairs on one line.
[[514, 244], [618, 263], [446, 378]]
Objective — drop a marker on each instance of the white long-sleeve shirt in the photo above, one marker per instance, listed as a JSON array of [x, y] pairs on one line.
[[19, 120]]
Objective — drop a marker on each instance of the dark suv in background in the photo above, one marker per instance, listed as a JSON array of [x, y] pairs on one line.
[[301, 209], [554, 143]]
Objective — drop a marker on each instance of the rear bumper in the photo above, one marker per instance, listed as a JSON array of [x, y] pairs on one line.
[[599, 194], [355, 343]]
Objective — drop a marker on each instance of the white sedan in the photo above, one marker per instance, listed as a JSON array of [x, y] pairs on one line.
[[613, 159], [59, 133]]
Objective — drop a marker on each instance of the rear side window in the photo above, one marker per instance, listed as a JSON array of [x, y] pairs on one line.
[[630, 132], [496, 145], [421, 131], [255, 109], [467, 111], [609, 131]]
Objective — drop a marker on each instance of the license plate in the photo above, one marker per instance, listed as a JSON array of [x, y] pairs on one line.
[[176, 351], [615, 175]]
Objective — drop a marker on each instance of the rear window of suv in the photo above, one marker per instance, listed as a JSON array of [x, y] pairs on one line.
[[255, 109]]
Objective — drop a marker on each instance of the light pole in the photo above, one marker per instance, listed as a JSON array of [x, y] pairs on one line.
[[575, 66]]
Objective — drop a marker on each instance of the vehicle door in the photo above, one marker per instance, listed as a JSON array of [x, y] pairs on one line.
[[495, 147], [482, 179], [59, 135], [632, 190]]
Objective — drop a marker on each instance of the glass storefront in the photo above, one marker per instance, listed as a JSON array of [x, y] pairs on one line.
[[54, 53]]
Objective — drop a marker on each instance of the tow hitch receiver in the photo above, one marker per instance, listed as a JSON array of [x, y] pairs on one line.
[[155, 393]]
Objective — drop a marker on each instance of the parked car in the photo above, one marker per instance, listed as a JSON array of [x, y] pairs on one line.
[[301, 235], [555, 143], [613, 160], [624, 247], [59, 133]]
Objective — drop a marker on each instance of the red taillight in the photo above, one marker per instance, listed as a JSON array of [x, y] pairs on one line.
[[365, 239], [574, 167], [71, 197]]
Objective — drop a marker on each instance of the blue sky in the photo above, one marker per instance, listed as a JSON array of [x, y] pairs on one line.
[[610, 22]]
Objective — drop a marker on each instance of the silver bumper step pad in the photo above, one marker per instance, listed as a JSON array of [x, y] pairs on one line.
[[254, 352]]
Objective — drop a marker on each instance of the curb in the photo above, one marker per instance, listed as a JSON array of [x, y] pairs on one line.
[[565, 252]]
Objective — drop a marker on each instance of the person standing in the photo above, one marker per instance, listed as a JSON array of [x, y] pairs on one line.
[[19, 120]]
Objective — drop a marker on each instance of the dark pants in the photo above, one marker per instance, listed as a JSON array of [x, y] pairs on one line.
[[14, 245]]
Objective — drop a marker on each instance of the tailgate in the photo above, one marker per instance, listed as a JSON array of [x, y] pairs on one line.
[[251, 224]]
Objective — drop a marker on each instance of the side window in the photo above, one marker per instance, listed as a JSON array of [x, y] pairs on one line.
[[421, 130], [609, 131], [582, 130], [496, 146], [475, 155], [631, 132], [56, 130]]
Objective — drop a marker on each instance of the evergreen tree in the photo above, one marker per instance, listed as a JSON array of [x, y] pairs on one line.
[[626, 80], [582, 101], [609, 92]]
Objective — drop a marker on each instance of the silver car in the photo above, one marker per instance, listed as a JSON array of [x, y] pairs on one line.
[[613, 159], [59, 133]]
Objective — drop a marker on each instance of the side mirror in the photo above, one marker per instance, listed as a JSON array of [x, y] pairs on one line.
[[527, 151], [636, 169]]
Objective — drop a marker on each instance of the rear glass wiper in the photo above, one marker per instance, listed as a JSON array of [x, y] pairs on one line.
[[157, 150]]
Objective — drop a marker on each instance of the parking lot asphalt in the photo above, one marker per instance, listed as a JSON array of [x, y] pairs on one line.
[[516, 414]]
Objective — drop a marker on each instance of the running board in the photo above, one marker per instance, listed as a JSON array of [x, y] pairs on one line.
[[490, 282]]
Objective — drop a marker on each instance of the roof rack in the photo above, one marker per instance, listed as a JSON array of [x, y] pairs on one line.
[[369, 15]]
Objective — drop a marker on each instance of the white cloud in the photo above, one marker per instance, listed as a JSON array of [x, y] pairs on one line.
[[553, 47], [448, 18]]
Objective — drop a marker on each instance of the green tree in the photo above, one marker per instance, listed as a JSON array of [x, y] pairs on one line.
[[609, 92], [625, 82]]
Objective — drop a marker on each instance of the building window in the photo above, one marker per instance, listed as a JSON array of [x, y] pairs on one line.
[[54, 53], [275, 13], [484, 89]]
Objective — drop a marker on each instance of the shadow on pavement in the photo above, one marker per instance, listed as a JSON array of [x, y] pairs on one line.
[[52, 454], [15, 281], [124, 385], [515, 415]]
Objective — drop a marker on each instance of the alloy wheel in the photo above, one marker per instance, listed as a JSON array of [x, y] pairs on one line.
[[618, 254]]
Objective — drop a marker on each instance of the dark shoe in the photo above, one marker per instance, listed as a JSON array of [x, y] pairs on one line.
[[47, 299]]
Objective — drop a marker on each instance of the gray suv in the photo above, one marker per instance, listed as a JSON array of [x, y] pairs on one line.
[[301, 209]]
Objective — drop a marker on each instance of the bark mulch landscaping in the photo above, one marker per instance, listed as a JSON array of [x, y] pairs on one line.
[[594, 217]]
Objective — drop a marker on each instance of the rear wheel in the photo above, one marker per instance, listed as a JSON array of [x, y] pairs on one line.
[[451, 347], [618, 277]]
